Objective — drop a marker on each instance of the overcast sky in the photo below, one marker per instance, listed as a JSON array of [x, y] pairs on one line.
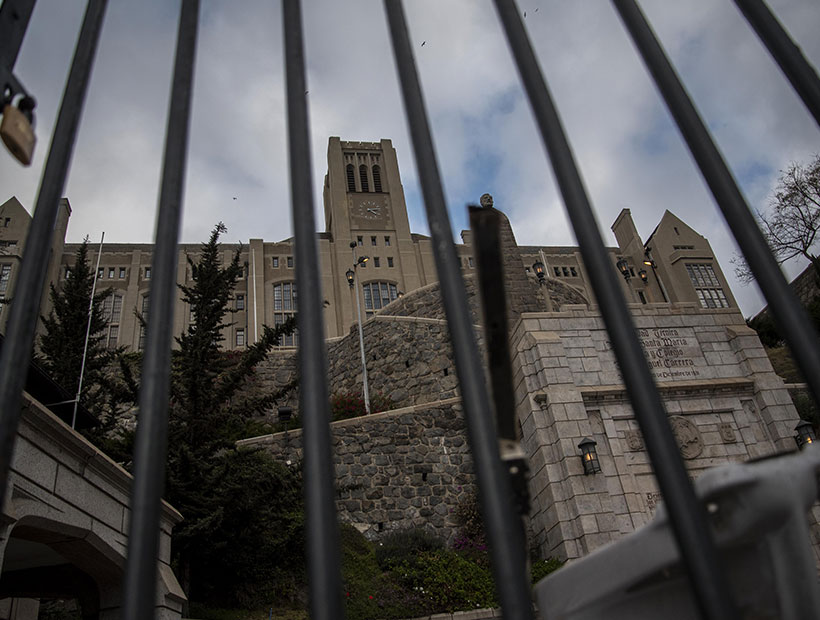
[[629, 152]]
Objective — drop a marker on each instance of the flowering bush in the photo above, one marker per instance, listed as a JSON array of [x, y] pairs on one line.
[[345, 405]]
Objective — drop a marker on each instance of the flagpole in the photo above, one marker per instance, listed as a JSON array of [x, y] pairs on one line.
[[88, 330]]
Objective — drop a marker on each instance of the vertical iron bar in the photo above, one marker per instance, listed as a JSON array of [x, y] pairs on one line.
[[503, 526], [152, 427], [324, 571], [25, 309], [788, 313], [788, 55], [686, 515], [14, 18]]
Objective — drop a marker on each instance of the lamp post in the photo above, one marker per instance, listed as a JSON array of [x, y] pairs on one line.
[[351, 280]]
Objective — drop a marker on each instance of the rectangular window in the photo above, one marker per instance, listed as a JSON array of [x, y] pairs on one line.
[[359, 241], [387, 240], [373, 240], [557, 271], [122, 273], [470, 262], [113, 333], [100, 273], [147, 273], [389, 261], [573, 272], [240, 302], [376, 262], [290, 262], [111, 273], [116, 309], [566, 272], [5, 276], [6, 222], [276, 262], [67, 272], [240, 337], [707, 286]]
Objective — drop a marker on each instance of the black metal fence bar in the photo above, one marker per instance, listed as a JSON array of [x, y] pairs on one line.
[[789, 314], [324, 569], [152, 427], [503, 526], [788, 55], [32, 279], [687, 516], [14, 18]]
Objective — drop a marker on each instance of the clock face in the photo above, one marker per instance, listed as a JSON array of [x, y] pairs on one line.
[[370, 209]]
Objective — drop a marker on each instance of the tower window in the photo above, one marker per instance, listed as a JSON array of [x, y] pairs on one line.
[[359, 241], [387, 240], [377, 179], [275, 262], [389, 261], [351, 178], [363, 178], [373, 240], [376, 261], [240, 302]]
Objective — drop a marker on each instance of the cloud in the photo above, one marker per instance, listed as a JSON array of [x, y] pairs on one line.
[[628, 150]]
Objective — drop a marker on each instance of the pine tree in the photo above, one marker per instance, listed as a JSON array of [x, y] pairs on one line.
[[206, 417], [62, 344]]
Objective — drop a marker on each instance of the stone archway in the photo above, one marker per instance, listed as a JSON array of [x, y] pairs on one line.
[[47, 559]]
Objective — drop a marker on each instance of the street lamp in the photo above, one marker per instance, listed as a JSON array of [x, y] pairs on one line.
[[538, 268], [623, 267], [350, 274]]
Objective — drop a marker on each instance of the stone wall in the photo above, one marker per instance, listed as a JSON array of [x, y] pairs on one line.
[[407, 468]]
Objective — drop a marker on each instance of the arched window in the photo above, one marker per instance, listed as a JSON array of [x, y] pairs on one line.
[[377, 295], [363, 178], [284, 306], [377, 179], [351, 179]]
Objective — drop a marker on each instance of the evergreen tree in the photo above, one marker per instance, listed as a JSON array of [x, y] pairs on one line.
[[208, 480], [62, 344]]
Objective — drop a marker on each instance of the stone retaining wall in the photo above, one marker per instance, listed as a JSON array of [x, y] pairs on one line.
[[402, 469]]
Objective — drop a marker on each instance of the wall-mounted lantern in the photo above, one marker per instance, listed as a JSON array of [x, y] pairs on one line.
[[623, 267], [350, 275], [285, 413], [589, 455], [538, 268], [805, 434], [644, 276]]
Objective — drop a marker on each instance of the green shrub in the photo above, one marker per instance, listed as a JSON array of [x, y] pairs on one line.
[[542, 568], [403, 546], [448, 581]]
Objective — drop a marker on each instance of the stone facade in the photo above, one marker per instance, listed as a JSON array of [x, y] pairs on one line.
[[724, 401], [64, 524]]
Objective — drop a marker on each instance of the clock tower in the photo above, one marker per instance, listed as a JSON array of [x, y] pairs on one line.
[[364, 205]]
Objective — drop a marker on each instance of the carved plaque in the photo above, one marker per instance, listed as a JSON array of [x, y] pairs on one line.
[[634, 440], [652, 500], [689, 440], [727, 433]]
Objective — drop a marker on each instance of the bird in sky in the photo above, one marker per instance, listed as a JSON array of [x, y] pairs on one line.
[[423, 43]]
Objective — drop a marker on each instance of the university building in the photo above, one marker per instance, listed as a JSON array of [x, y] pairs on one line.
[[364, 205]]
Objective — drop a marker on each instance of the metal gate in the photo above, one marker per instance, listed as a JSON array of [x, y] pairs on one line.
[[507, 550]]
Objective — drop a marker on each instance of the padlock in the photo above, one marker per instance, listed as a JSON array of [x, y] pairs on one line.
[[18, 134]]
